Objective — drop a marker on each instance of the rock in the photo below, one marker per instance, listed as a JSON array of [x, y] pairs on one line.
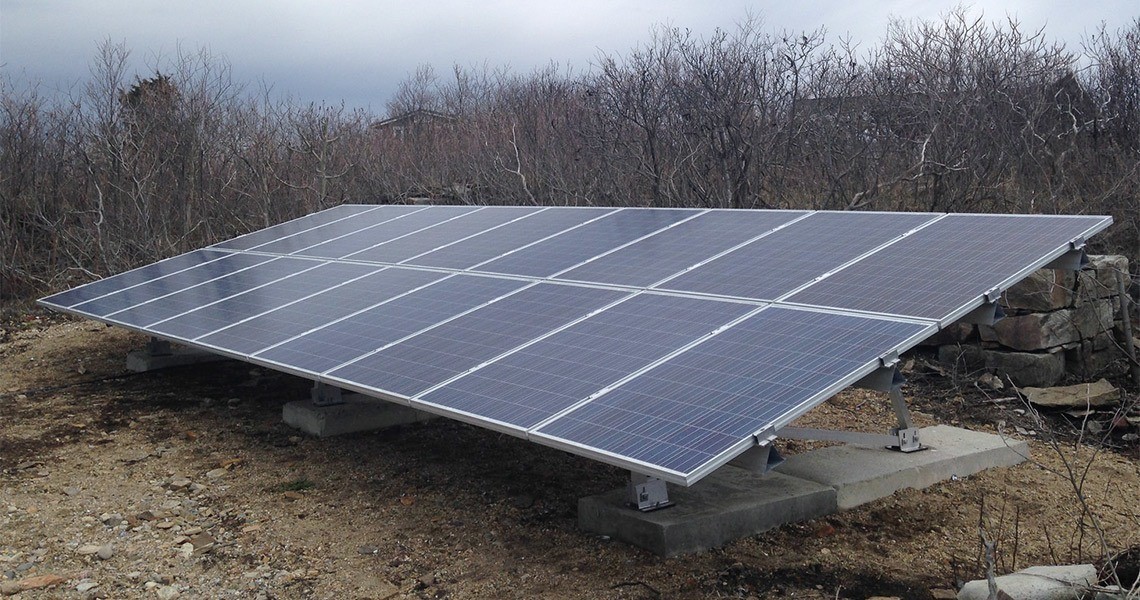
[[167, 592], [1100, 393], [105, 552], [87, 549], [86, 586], [1040, 369], [215, 473], [943, 594], [186, 550], [883, 598], [179, 483], [991, 381], [1035, 583], [40, 581], [111, 519], [951, 334], [71, 491], [291, 495], [1098, 278], [202, 542], [368, 550], [1043, 290], [10, 588], [1041, 331], [964, 358]]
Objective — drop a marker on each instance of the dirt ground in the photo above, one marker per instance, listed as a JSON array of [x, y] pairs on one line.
[[185, 483]]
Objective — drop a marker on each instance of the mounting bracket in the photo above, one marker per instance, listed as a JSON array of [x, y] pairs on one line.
[[646, 493], [904, 438], [758, 459], [1072, 260], [326, 395]]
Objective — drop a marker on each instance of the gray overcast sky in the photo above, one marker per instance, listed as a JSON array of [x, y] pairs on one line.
[[358, 50]]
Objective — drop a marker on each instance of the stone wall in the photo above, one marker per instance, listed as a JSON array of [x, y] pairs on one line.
[[1057, 323]]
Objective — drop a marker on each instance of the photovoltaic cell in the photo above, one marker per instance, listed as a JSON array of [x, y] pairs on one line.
[[340, 342], [684, 245], [366, 229], [161, 286], [272, 328], [131, 278], [492, 244], [547, 258], [148, 314], [530, 385], [944, 267], [410, 226], [689, 410], [434, 356], [442, 234], [295, 226], [778, 263], [212, 317]]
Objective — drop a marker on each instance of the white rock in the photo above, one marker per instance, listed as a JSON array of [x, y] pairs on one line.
[[87, 549], [86, 586], [167, 592], [1036, 583]]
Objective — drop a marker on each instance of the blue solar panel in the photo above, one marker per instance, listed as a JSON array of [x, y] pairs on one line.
[[305, 223], [349, 243], [345, 340], [564, 251], [432, 357], [232, 283], [691, 409], [669, 382], [945, 266], [684, 245], [528, 386], [489, 245], [272, 328], [132, 278], [778, 263], [162, 286], [361, 231], [212, 317], [440, 235]]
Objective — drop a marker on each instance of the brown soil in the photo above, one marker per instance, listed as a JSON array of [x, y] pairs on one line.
[[442, 509]]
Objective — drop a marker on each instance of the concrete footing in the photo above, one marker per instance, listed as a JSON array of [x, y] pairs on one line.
[[860, 475], [357, 413], [733, 503], [144, 359], [729, 504]]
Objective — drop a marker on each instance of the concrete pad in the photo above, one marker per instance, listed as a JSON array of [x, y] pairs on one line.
[[357, 413], [860, 475], [142, 360], [729, 504]]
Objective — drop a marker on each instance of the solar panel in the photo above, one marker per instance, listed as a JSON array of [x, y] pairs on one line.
[[666, 341], [939, 270]]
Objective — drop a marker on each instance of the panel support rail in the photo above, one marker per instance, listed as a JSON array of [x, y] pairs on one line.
[[903, 438], [647, 493]]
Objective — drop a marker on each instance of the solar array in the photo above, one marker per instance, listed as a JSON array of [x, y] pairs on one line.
[[665, 341]]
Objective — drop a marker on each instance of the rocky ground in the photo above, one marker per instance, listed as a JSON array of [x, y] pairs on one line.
[[185, 484]]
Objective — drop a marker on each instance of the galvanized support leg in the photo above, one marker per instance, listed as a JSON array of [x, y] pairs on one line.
[[647, 493], [906, 433], [903, 438], [326, 395]]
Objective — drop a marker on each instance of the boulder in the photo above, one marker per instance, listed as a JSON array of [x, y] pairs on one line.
[[1098, 278], [951, 334], [1044, 290], [1036, 583], [1040, 331], [1100, 393], [1040, 369]]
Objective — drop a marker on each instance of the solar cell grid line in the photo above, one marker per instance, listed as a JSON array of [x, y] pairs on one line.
[[159, 287], [794, 255], [671, 251], [943, 270], [443, 234], [149, 313], [518, 234], [349, 243], [438, 353], [539, 379], [372, 224], [689, 414], [128, 279], [313, 312], [295, 226], [563, 251], [339, 343], [207, 318]]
